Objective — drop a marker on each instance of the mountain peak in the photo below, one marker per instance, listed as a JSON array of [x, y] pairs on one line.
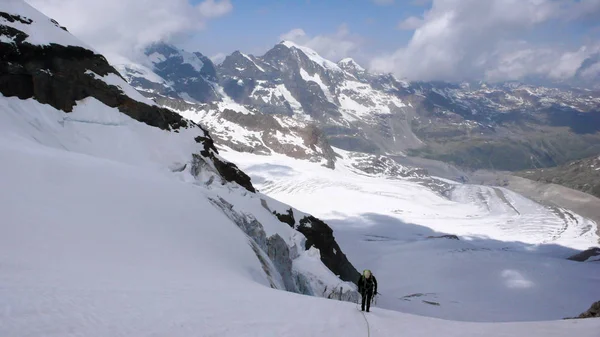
[[349, 63], [312, 55], [160, 52], [289, 44]]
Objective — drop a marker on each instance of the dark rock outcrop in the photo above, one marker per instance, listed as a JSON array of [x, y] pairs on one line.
[[286, 218], [592, 312], [60, 76], [56, 75], [320, 235], [230, 172], [585, 255], [448, 236], [15, 18]]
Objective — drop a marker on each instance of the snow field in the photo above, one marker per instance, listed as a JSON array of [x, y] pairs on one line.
[[509, 265]]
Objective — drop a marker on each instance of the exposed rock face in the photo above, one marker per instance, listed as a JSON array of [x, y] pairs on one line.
[[286, 218], [507, 126], [592, 312], [227, 171], [582, 175], [256, 132], [56, 75], [320, 235], [62, 75], [586, 255], [382, 165], [191, 74], [448, 236]]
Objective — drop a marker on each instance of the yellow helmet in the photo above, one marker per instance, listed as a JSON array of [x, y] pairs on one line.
[[367, 273]]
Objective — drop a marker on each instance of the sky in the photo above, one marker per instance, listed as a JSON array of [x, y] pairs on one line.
[[453, 40]]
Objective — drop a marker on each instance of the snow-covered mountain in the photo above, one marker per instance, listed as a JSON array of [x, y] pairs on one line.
[[173, 72], [121, 217], [467, 124]]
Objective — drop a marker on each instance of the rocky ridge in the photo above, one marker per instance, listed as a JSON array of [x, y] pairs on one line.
[[507, 126]]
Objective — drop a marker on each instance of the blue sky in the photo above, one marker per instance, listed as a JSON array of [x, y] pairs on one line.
[[254, 26], [452, 40]]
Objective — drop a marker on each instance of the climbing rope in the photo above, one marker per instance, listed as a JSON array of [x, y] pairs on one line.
[[365, 318]]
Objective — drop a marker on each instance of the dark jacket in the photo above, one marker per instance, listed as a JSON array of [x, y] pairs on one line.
[[367, 285]]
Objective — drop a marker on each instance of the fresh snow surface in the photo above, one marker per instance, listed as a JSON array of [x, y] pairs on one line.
[[187, 58], [313, 56], [156, 57], [6, 39], [353, 63], [509, 265], [228, 103], [278, 94], [42, 31], [117, 81], [287, 95], [359, 100], [95, 243], [117, 239], [223, 128], [241, 136], [191, 59], [128, 68], [100, 238]]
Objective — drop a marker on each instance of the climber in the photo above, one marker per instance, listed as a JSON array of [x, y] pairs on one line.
[[367, 287]]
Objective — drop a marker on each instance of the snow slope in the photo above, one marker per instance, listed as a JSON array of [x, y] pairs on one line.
[[100, 238], [111, 227], [40, 29], [95, 208], [509, 264], [313, 56], [92, 246]]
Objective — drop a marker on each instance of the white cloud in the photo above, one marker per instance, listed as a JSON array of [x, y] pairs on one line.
[[218, 58], [526, 60], [335, 46], [474, 39], [213, 9], [295, 35], [410, 23], [123, 27]]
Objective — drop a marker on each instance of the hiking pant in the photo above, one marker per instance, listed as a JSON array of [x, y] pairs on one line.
[[366, 298]]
